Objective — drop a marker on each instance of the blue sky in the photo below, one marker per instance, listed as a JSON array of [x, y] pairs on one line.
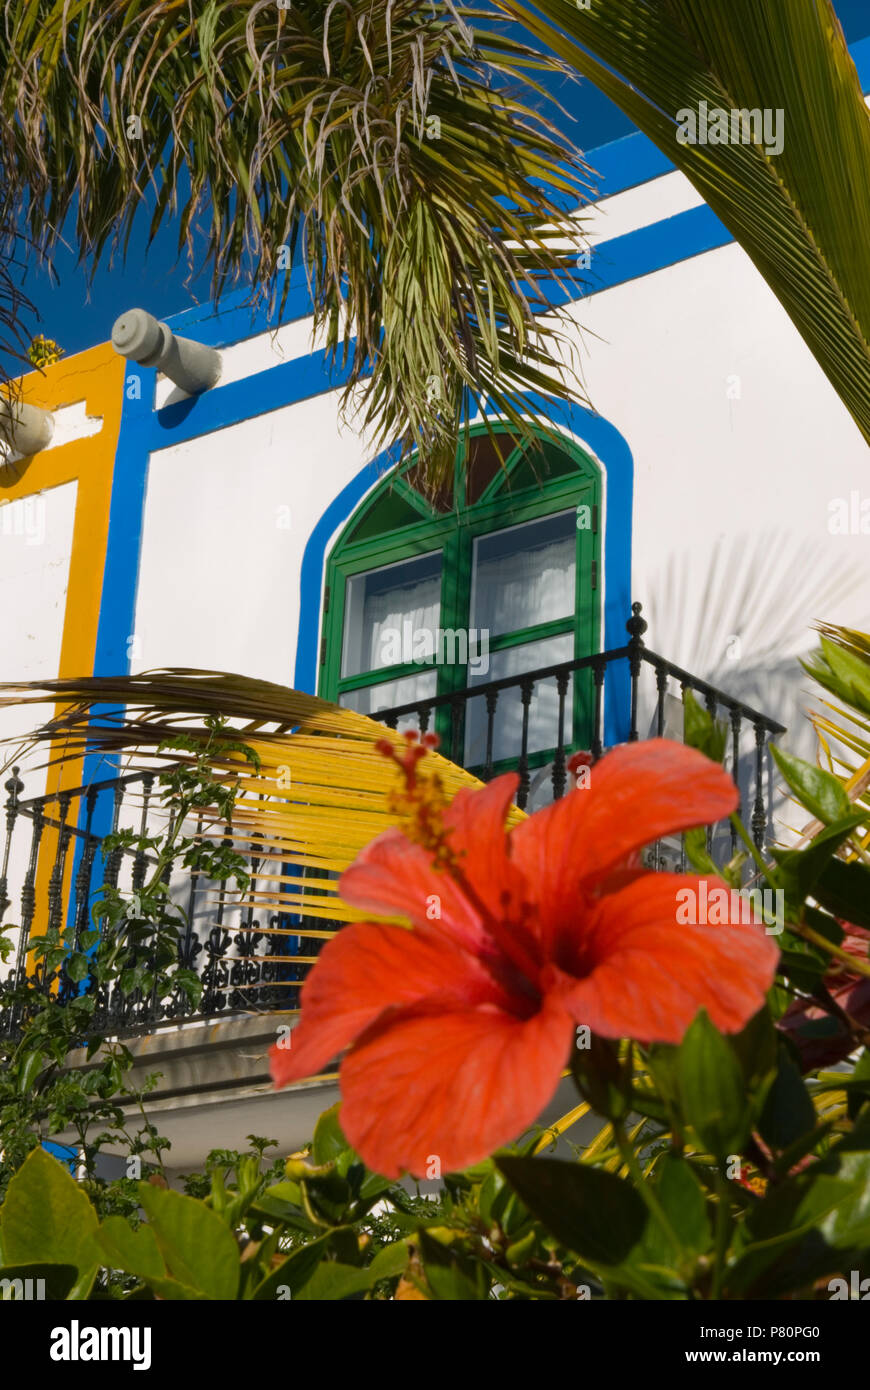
[[78, 317]]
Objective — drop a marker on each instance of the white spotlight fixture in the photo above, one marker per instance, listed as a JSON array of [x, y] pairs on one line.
[[24, 429], [138, 336]]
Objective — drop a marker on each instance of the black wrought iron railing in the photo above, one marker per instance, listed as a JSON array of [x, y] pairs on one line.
[[54, 852], [545, 740], [54, 865]]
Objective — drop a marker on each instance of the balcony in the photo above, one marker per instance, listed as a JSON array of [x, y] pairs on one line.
[[250, 961]]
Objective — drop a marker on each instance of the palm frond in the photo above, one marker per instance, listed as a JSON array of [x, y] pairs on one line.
[[391, 145], [803, 213], [841, 665], [319, 795]]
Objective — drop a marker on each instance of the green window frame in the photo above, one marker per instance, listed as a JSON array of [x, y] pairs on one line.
[[396, 523]]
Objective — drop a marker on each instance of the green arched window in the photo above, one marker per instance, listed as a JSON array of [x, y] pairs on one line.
[[496, 576]]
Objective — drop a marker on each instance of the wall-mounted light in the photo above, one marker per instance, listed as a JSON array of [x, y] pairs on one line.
[[24, 429], [138, 336]]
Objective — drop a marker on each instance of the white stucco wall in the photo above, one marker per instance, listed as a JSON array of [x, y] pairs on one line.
[[741, 448], [35, 549], [227, 518]]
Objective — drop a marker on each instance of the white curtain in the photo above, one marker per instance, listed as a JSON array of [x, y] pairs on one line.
[[377, 612], [385, 617], [524, 576]]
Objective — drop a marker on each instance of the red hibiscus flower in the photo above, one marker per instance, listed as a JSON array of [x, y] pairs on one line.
[[460, 1027]]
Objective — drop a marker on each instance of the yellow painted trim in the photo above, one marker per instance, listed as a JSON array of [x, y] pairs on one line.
[[97, 378]]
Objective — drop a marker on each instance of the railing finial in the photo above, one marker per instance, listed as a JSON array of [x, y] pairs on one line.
[[15, 787], [636, 625]]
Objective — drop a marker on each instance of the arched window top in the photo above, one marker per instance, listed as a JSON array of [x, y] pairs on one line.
[[491, 471]]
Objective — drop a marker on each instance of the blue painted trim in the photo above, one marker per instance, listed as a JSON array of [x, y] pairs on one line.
[[67, 1154], [120, 581], [144, 431], [642, 252], [236, 317], [627, 163], [300, 379], [615, 262], [610, 448], [860, 51], [117, 608], [314, 560]]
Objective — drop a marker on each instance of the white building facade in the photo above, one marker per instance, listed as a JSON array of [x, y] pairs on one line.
[[720, 482]]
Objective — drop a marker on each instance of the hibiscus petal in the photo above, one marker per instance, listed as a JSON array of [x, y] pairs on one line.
[[450, 1086], [362, 971], [648, 974], [477, 817], [637, 794], [393, 877]]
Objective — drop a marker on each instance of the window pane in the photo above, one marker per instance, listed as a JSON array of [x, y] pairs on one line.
[[508, 722], [374, 698], [524, 575], [385, 609]]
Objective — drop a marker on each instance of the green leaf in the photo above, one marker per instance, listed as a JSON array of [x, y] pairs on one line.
[[684, 1202], [332, 1282], [819, 791], [296, 1270], [32, 1066], [844, 889], [800, 869], [851, 672], [47, 1219], [59, 1280], [788, 1112], [372, 1187], [329, 1141], [587, 1209], [308, 1275], [451, 1275], [600, 1077], [197, 1248], [756, 1047], [135, 1251], [835, 1198], [77, 966], [802, 961], [804, 968], [329, 1197], [283, 1202], [663, 1060], [712, 1089], [702, 731], [801, 1229], [390, 1261]]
